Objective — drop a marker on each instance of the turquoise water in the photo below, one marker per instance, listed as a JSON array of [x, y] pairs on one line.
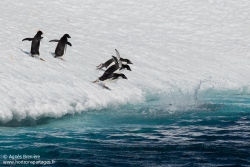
[[213, 132]]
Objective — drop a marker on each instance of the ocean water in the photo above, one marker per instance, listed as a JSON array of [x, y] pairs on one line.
[[213, 131]]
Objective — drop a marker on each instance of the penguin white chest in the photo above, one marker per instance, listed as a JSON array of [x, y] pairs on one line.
[[111, 64]]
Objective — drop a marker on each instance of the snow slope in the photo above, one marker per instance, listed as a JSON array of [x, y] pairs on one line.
[[173, 44]]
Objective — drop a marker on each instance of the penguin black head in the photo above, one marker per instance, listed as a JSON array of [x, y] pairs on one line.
[[126, 60], [66, 36], [123, 76], [126, 67], [114, 58], [39, 32]]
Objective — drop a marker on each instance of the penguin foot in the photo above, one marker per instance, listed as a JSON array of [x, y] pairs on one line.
[[62, 59], [96, 81], [99, 67]]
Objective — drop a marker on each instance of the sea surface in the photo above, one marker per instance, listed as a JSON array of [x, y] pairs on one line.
[[215, 131]]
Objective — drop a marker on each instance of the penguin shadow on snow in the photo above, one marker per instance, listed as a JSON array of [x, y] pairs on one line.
[[28, 53], [104, 87], [53, 54]]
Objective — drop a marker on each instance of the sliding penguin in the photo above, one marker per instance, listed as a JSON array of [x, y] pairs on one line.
[[61, 46], [118, 67], [111, 62], [35, 44], [109, 78]]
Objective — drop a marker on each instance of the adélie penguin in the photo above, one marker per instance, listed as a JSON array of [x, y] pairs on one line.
[[35, 44], [111, 62], [109, 78], [118, 67], [61, 46]]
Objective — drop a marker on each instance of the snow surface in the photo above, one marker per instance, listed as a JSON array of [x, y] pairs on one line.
[[173, 44]]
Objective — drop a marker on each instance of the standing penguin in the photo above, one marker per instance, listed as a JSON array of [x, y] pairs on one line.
[[61, 46], [35, 44]]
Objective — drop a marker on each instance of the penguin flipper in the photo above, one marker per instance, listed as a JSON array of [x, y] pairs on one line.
[[117, 54], [69, 43], [27, 39], [116, 62], [118, 58], [54, 40]]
